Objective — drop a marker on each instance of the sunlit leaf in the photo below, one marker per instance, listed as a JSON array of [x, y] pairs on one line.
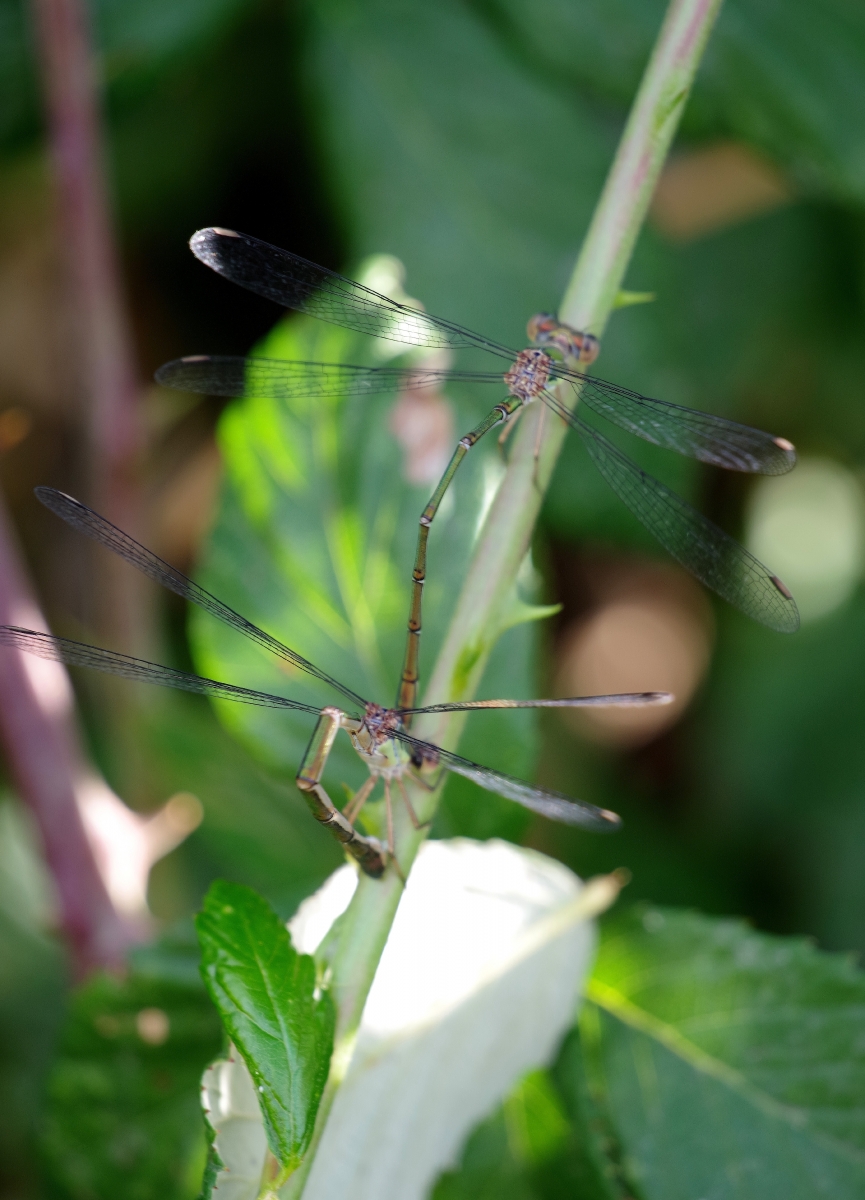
[[266, 995], [315, 540]]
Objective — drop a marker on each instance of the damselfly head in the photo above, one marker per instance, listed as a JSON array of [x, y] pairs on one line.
[[545, 329]]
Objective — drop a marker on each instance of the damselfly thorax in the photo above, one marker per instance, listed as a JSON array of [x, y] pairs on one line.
[[372, 738]]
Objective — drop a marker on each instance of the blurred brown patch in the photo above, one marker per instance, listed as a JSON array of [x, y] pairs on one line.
[[705, 190], [153, 1026], [185, 504], [423, 424], [15, 424], [649, 630]]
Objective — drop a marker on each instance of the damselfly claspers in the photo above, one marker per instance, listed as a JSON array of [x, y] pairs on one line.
[[378, 734], [699, 545]]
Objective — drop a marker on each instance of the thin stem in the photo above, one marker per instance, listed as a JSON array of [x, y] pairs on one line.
[[587, 304], [590, 296], [107, 368], [76, 145], [504, 539], [47, 764]]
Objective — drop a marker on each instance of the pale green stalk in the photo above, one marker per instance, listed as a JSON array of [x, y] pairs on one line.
[[488, 590]]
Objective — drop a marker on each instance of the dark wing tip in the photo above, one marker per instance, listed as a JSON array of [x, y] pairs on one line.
[[54, 499], [204, 244], [167, 374], [629, 700], [782, 587], [202, 237], [788, 450], [583, 816], [789, 620], [616, 700]]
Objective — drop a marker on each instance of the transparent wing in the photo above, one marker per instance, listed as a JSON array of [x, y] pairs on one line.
[[552, 805], [94, 526], [699, 435], [699, 545], [618, 700], [79, 654], [223, 375], [297, 283]]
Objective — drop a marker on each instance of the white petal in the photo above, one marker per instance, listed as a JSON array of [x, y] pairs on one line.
[[480, 978]]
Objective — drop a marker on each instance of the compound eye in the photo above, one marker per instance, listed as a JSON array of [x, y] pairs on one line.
[[590, 348], [538, 325]]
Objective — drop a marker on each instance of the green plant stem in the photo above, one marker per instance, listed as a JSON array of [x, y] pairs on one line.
[[504, 540], [588, 301]]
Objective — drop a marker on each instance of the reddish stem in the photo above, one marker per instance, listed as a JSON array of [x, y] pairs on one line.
[[42, 748], [76, 146]]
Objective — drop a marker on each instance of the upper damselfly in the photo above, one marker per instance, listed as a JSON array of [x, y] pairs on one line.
[[378, 734], [704, 549]]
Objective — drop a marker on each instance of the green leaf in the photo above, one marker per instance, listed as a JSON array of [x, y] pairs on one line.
[[520, 613], [591, 1164], [537, 1125], [529, 1149], [777, 75], [20, 93], [520, 605], [730, 1063], [213, 1165], [266, 994], [625, 299], [782, 726], [33, 991], [143, 38], [314, 542], [449, 154], [257, 829], [525, 1132], [123, 1115]]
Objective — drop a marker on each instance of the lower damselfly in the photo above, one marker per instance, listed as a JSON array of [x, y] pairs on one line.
[[704, 549], [378, 734]]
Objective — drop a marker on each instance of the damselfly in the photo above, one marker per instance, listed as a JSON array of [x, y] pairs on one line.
[[699, 545], [378, 734]]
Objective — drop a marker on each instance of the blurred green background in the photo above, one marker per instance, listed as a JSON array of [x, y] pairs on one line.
[[470, 140]]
